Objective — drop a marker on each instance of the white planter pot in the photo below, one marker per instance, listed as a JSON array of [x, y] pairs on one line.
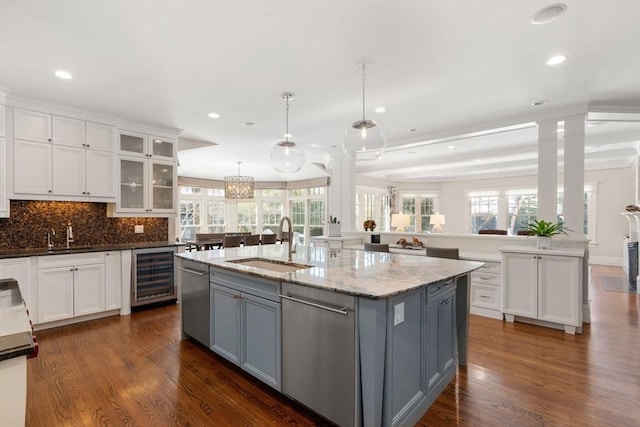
[[543, 242], [335, 230]]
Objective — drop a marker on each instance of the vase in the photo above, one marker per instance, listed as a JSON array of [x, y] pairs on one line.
[[543, 242]]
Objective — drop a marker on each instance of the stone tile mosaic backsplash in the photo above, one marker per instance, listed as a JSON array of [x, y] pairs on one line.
[[31, 220]]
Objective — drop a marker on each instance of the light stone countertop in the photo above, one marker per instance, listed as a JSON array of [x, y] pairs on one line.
[[368, 274]]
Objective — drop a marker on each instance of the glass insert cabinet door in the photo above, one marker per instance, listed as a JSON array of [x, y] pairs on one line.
[[162, 147], [133, 143], [163, 186], [132, 184]]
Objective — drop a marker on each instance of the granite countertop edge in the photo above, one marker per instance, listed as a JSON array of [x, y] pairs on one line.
[[18, 253]]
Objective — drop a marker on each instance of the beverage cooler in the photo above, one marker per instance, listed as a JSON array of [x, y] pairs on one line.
[[153, 277]]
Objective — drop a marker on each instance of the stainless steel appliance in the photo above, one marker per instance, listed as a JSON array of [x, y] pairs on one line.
[[196, 307], [152, 276], [318, 351]]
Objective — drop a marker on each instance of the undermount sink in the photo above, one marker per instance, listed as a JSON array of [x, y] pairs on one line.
[[271, 264], [71, 249]]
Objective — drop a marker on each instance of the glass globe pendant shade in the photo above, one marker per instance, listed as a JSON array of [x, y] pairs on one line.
[[364, 140], [287, 157]]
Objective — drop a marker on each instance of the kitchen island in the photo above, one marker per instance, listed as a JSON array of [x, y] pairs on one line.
[[362, 338]]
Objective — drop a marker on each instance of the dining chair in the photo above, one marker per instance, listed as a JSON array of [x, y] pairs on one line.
[[252, 240], [376, 247], [269, 239], [232, 241], [451, 253]]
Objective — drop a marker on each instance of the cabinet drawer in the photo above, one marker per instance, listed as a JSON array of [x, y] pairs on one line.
[[485, 296], [64, 260], [490, 267], [485, 277], [438, 288], [241, 282]]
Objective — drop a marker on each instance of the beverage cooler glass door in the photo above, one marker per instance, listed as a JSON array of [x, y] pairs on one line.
[[152, 276]]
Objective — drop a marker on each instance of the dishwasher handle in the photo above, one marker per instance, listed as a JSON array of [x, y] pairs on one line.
[[198, 273], [342, 311]]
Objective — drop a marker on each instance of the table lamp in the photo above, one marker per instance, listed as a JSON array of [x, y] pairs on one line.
[[437, 220], [400, 221]]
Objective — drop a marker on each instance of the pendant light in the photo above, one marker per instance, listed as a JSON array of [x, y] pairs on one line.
[[364, 139], [286, 156], [238, 186]]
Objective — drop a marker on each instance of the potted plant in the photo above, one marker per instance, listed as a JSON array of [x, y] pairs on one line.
[[335, 228], [544, 231]]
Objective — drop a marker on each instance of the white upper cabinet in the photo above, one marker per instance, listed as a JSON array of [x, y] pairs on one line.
[[69, 132], [32, 168], [149, 146], [3, 121], [100, 137], [31, 125]]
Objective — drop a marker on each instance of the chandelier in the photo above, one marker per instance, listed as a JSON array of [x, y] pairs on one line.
[[286, 156], [238, 186], [364, 139]]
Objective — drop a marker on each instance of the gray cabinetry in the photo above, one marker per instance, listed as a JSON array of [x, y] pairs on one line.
[[440, 334], [245, 323]]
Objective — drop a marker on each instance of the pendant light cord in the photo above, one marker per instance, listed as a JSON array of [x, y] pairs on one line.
[[363, 80], [286, 137]]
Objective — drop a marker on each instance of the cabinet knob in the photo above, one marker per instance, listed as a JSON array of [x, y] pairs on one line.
[[84, 145], [88, 145], [88, 193], [84, 192], [71, 269], [76, 268], [50, 191], [49, 139]]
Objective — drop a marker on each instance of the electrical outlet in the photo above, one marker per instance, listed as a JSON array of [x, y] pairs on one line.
[[398, 314], [139, 229]]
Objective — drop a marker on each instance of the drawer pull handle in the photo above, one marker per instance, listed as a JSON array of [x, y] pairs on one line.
[[342, 311], [485, 278], [198, 273], [484, 296]]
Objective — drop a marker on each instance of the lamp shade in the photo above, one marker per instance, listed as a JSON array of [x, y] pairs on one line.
[[287, 157], [400, 221], [238, 186]]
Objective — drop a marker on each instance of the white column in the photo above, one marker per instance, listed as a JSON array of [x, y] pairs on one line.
[[574, 137], [342, 191], [547, 170]]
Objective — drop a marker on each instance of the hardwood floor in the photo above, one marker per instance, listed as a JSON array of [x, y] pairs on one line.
[[135, 371]]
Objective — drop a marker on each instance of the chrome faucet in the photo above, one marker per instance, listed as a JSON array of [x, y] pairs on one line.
[[69, 234], [49, 241], [292, 248]]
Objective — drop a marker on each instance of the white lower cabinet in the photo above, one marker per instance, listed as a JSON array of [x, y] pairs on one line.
[[20, 270], [70, 286], [544, 285], [113, 280], [486, 290]]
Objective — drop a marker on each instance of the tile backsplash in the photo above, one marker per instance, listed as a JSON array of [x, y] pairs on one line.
[[31, 220]]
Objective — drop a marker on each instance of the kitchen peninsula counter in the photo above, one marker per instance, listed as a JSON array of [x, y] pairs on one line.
[[362, 338]]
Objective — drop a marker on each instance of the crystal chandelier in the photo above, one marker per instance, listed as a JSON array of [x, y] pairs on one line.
[[238, 187], [286, 156], [364, 139]]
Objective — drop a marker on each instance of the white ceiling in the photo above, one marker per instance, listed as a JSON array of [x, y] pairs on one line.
[[444, 68]]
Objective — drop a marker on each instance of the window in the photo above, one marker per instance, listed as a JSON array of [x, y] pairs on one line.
[[215, 216], [484, 211], [420, 208], [247, 217], [272, 213], [521, 209], [308, 212], [189, 219]]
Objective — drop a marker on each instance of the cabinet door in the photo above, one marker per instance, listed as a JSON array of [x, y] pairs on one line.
[[68, 171], [88, 289], [261, 339], [132, 144], [69, 132], [431, 342], [447, 333], [55, 294], [31, 125], [225, 330], [113, 280], [3, 178], [559, 296], [3, 125], [163, 185], [520, 281], [32, 168], [100, 174], [162, 148], [19, 269], [100, 137], [132, 187]]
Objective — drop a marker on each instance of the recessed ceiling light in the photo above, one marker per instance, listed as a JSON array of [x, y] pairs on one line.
[[588, 147], [477, 160], [557, 59], [451, 147], [413, 129], [380, 110], [411, 152], [214, 115], [249, 124], [548, 14], [538, 103], [63, 74]]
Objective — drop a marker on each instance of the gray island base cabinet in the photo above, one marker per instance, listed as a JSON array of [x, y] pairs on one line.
[[361, 347]]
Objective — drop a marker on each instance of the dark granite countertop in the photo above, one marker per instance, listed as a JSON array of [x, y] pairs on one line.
[[16, 337], [17, 253]]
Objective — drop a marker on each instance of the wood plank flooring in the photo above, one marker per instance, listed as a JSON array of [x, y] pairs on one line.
[[135, 371]]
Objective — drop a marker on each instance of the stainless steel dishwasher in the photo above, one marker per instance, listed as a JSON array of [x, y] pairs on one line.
[[196, 318], [318, 351]]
